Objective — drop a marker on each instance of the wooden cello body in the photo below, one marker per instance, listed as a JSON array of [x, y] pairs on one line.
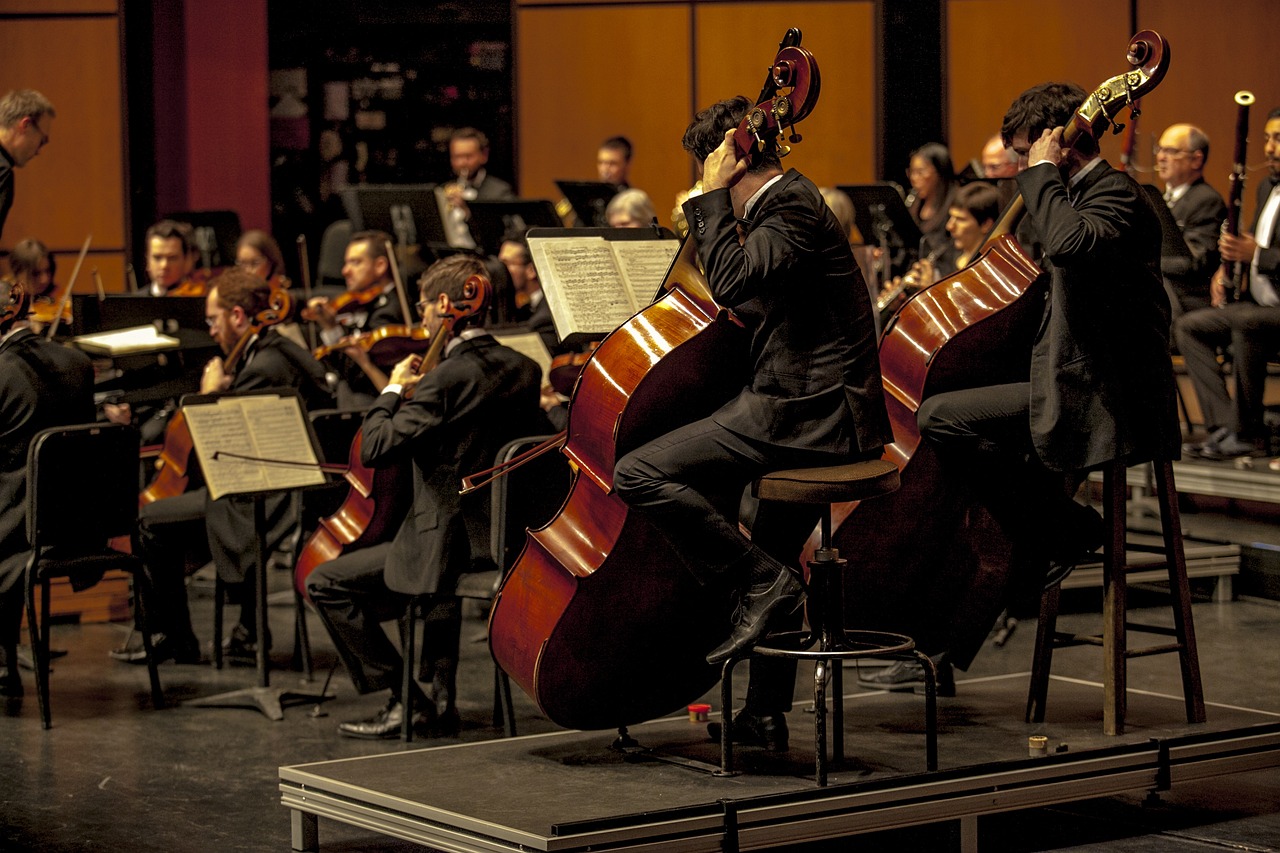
[[928, 561], [599, 620]]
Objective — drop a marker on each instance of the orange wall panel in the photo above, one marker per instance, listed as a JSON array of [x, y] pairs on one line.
[[735, 44], [57, 7]]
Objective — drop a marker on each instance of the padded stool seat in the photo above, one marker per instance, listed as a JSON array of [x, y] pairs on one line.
[[827, 643]]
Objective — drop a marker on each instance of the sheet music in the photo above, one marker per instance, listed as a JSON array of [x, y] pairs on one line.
[[644, 265], [264, 426], [529, 344], [123, 341]]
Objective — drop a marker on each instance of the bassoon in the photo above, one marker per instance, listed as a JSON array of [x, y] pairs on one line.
[[1234, 272]]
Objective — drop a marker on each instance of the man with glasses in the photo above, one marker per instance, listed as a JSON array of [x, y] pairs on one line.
[[25, 117], [1199, 210], [449, 422]]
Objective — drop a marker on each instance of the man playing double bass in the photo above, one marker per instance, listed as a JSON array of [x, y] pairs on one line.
[[776, 256], [1100, 384]]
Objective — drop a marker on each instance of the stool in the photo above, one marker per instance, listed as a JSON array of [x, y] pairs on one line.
[[834, 644], [1115, 624]]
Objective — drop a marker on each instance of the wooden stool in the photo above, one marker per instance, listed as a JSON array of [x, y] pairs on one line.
[[1115, 624], [834, 644]]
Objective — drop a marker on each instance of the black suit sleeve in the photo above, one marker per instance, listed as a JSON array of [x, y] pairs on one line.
[[1069, 233], [1201, 223]]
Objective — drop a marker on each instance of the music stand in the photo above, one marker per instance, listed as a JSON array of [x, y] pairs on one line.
[[493, 220], [408, 212], [216, 233], [588, 200], [878, 211], [216, 439], [1172, 243]]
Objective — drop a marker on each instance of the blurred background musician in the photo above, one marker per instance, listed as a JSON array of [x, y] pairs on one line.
[[1199, 210], [33, 269], [451, 421], [630, 208], [933, 183], [613, 162], [258, 253], [468, 155], [222, 529], [997, 160], [369, 303], [42, 385], [25, 117], [171, 255], [1250, 326]]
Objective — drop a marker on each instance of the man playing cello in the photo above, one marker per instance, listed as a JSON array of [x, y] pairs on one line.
[[776, 256]]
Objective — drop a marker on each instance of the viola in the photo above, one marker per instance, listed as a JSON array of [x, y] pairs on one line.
[[380, 498], [597, 620], [386, 345], [565, 369], [950, 563], [173, 464]]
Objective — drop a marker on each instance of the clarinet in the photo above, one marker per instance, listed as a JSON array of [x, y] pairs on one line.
[[1235, 272]]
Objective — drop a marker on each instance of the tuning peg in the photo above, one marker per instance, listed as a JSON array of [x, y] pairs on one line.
[[1117, 128]]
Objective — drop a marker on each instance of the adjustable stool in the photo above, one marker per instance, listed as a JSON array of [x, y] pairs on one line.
[[1115, 624], [824, 486]]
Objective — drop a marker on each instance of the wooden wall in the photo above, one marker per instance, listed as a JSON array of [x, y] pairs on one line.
[[587, 71], [70, 51]]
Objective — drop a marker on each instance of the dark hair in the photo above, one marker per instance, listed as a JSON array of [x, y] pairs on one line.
[[518, 239], [377, 241], [1042, 108], [448, 276], [27, 255], [705, 133], [980, 199], [237, 288], [619, 143], [939, 157], [169, 229], [1274, 114], [266, 245], [470, 133]]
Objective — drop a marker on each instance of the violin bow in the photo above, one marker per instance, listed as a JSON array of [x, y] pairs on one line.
[[304, 270], [66, 294], [395, 276]]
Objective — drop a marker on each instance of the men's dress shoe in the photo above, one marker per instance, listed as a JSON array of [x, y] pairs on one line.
[[239, 648], [163, 649], [1231, 446], [752, 616], [10, 683], [909, 675], [384, 724], [1082, 532], [765, 730], [1196, 448]]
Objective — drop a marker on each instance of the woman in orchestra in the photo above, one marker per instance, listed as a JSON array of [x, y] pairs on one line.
[[630, 209], [257, 252], [932, 180], [33, 268]]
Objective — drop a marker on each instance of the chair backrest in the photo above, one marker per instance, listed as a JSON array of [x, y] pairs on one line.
[[527, 497], [333, 249], [82, 485]]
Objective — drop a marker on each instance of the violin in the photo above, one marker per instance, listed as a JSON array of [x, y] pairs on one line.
[[385, 346], [597, 620], [173, 464], [348, 302], [380, 498], [565, 369]]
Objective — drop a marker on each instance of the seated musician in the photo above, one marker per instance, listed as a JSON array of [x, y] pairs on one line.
[[613, 162], [170, 249], [223, 529], [1100, 383], [42, 385], [932, 178], [815, 398], [630, 208], [1199, 211], [1250, 325], [369, 303], [468, 158], [33, 268], [998, 160], [450, 421], [258, 253]]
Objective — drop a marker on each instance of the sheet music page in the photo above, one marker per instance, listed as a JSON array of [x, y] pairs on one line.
[[123, 341], [583, 284], [261, 426], [644, 265], [529, 344]]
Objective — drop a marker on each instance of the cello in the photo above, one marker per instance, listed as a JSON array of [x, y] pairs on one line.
[[379, 498], [598, 620], [946, 574]]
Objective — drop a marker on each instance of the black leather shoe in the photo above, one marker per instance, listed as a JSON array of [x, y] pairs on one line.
[[767, 730], [163, 648], [909, 675], [385, 724], [751, 619], [238, 648], [10, 683]]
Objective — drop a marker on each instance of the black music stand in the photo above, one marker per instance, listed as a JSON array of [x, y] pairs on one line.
[[491, 221], [211, 442], [1172, 243], [215, 233], [408, 212], [588, 200], [879, 212]]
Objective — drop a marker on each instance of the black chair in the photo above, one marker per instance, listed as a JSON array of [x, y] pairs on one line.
[[525, 498], [82, 489], [333, 247]]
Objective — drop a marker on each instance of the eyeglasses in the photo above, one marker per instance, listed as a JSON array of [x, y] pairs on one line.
[[250, 264], [920, 171], [44, 137], [1167, 151], [423, 305]]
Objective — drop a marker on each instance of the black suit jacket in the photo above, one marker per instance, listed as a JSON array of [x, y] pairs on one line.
[[42, 385], [1199, 213], [815, 367], [460, 414], [1101, 379], [273, 361], [384, 311]]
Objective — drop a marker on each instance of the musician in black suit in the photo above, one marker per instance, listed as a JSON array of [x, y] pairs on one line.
[[169, 527], [775, 254], [1100, 384], [1250, 325], [42, 385], [468, 157], [449, 422], [1199, 211], [366, 268]]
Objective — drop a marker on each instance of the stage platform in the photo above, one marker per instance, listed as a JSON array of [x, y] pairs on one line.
[[570, 791]]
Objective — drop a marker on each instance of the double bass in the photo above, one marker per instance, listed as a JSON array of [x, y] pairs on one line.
[[598, 620], [379, 498], [925, 560]]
